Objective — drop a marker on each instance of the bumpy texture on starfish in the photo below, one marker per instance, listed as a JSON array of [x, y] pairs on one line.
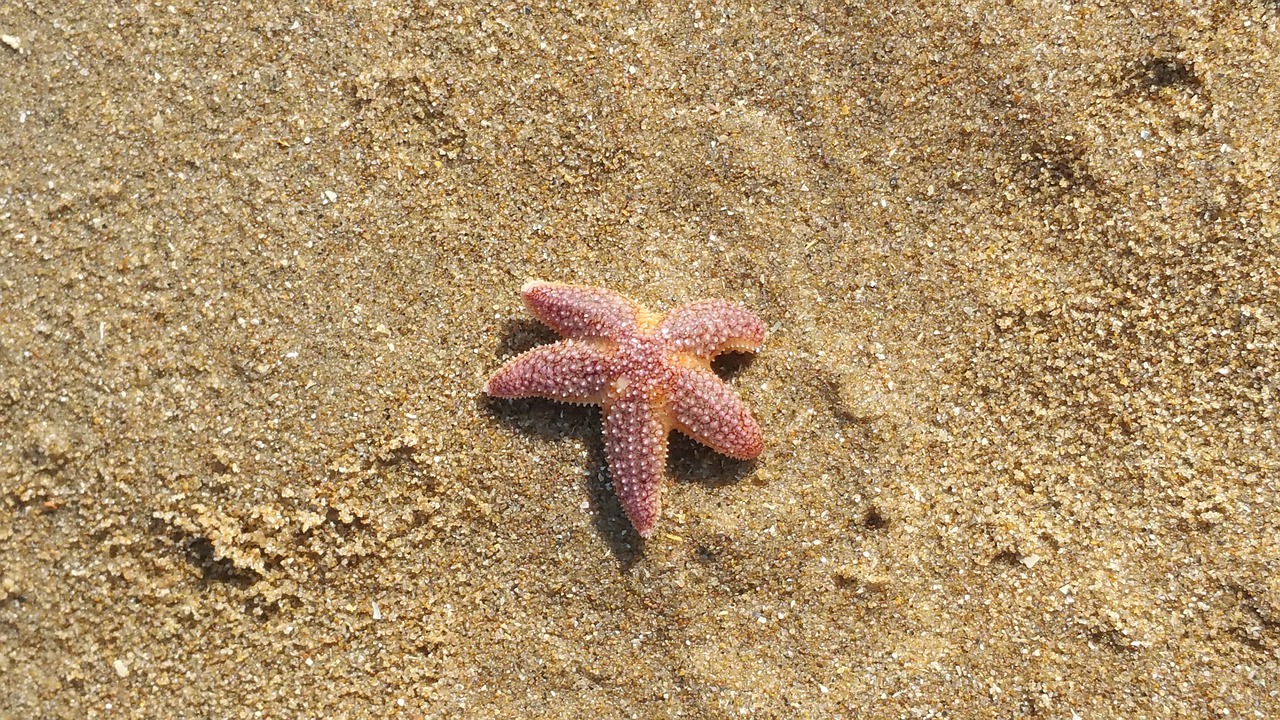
[[649, 372]]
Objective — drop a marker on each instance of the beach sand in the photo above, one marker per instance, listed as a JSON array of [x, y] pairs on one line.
[[1019, 262]]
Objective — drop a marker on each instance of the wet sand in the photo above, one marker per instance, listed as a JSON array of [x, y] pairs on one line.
[[1020, 265]]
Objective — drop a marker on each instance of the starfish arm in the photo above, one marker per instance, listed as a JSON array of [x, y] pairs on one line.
[[703, 407], [580, 312], [710, 327], [569, 371], [635, 442]]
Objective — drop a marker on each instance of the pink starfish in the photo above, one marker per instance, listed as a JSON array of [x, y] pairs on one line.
[[648, 372]]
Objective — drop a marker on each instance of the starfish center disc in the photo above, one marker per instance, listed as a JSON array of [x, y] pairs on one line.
[[641, 363]]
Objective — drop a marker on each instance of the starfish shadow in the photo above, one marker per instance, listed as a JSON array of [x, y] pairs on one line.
[[521, 335], [553, 422], [692, 462], [730, 365]]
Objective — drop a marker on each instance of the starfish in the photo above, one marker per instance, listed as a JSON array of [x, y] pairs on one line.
[[650, 373]]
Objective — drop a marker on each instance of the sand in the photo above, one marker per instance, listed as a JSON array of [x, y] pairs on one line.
[[1020, 264]]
